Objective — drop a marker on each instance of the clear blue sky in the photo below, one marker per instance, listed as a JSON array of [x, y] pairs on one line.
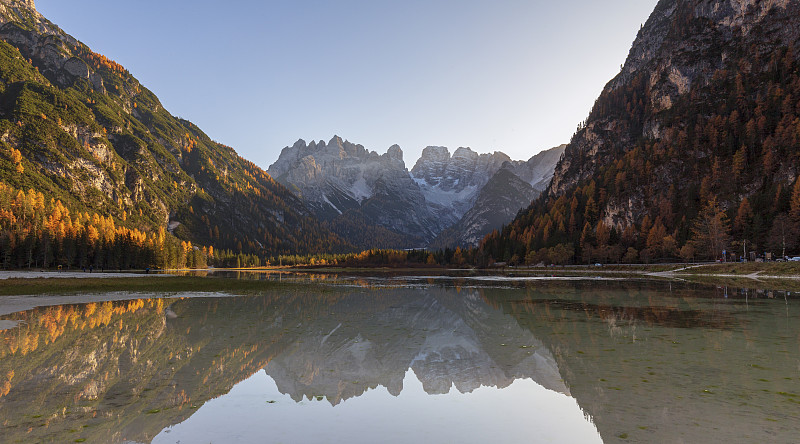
[[510, 75]]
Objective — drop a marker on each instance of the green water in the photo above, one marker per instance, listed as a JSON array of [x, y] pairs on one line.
[[406, 359]]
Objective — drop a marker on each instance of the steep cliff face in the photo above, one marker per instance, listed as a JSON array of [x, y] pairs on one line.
[[452, 183], [374, 201], [510, 189], [8, 7], [344, 182], [464, 169], [538, 170], [496, 204], [338, 176], [92, 136], [682, 46], [700, 123]]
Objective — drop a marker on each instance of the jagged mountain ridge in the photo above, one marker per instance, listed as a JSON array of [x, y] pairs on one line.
[[341, 180], [452, 183], [510, 189], [92, 136], [499, 200], [700, 123], [538, 170], [360, 191]]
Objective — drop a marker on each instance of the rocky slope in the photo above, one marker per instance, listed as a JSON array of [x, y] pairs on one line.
[[344, 181], [78, 127], [452, 183], [538, 170], [700, 125], [684, 46], [508, 190], [365, 196], [496, 204]]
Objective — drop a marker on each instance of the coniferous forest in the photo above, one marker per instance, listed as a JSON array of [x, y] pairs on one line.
[[721, 176]]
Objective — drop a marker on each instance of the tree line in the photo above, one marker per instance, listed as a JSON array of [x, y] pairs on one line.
[[41, 233]]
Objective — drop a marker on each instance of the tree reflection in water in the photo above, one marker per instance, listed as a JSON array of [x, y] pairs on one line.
[[645, 361]]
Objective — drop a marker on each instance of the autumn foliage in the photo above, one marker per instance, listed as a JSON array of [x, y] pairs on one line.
[[35, 231], [721, 175]]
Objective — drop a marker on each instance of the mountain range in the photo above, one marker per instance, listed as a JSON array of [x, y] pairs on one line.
[[690, 151], [80, 128], [443, 201]]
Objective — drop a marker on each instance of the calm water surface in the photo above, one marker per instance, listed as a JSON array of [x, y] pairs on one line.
[[409, 359]]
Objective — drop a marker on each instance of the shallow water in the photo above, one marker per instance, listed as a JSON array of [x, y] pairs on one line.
[[407, 359]]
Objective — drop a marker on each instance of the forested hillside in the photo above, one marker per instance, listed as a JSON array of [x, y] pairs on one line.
[[690, 151], [79, 129]]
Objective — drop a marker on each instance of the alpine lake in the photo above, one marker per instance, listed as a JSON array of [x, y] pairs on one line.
[[394, 358]]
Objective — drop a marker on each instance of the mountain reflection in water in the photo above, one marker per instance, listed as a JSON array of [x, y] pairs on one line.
[[448, 339], [544, 361]]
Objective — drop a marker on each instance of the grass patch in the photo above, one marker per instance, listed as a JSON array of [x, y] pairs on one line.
[[782, 269], [778, 284], [604, 268], [134, 285]]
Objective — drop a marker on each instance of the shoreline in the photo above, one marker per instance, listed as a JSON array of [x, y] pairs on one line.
[[754, 271], [22, 290], [42, 274]]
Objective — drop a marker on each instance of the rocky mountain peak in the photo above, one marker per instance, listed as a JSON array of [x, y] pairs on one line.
[[464, 169], [435, 152], [341, 180], [336, 140], [18, 3], [331, 153], [465, 153], [432, 163], [395, 154], [538, 170], [24, 11], [343, 183]]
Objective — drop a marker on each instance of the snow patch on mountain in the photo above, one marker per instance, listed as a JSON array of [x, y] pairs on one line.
[[360, 190], [339, 177], [327, 201]]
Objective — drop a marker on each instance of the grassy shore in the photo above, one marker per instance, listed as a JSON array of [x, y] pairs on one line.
[[134, 284], [763, 269], [772, 274]]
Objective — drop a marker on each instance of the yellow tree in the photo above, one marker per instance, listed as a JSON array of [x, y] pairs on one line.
[[711, 230]]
